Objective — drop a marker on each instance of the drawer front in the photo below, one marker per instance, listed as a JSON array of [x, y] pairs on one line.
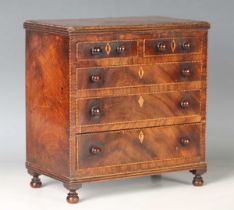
[[154, 47], [129, 76], [132, 108], [138, 146], [97, 50]]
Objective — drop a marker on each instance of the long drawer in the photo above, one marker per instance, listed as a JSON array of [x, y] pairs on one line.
[[137, 75], [157, 145], [101, 113]]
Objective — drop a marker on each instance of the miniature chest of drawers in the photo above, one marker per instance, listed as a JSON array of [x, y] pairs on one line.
[[115, 98]]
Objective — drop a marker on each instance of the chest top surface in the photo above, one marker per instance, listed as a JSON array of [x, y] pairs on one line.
[[110, 24]]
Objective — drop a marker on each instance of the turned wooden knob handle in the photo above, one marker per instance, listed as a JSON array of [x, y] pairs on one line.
[[95, 111], [184, 104], [187, 45], [186, 72], [120, 49], [96, 51], [185, 141], [161, 46], [94, 150], [95, 78]]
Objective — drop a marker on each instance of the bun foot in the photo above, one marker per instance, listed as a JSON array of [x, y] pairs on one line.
[[36, 182], [198, 181], [72, 197]]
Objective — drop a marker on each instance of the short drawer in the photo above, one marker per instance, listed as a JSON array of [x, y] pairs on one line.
[[130, 76], [136, 146], [135, 108], [155, 47], [97, 50]]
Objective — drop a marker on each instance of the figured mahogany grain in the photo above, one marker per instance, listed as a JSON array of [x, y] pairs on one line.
[[172, 46], [138, 75], [138, 145], [141, 37], [47, 102], [136, 108], [106, 49]]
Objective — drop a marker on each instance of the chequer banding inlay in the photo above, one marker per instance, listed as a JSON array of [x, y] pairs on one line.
[[141, 72], [141, 136], [108, 48], [141, 101], [173, 45]]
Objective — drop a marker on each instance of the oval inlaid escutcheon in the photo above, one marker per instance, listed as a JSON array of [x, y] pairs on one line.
[[173, 46], [108, 48], [141, 136], [141, 101], [141, 72]]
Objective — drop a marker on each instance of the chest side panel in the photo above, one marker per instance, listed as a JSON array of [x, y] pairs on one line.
[[47, 102]]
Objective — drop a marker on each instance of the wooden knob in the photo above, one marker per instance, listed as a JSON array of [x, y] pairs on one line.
[[184, 104], [186, 72], [186, 45], [96, 51], [120, 49], [94, 150], [95, 111], [162, 46], [95, 78], [185, 141]]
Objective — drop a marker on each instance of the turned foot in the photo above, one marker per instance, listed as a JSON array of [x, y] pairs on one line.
[[36, 182], [198, 180], [72, 196]]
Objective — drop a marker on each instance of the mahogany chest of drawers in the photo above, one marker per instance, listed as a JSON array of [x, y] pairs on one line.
[[115, 98]]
